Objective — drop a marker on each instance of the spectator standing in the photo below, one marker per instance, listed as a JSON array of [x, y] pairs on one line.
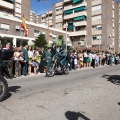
[[116, 59], [85, 58], [42, 62], [75, 63], [25, 55], [93, 60], [17, 65], [30, 55], [88, 60], [110, 59], [34, 61], [97, 60]]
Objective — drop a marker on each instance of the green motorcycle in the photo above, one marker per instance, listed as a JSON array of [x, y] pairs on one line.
[[56, 63]]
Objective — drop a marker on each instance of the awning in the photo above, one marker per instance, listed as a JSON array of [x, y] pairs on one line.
[[11, 0], [70, 26], [76, 1], [68, 11], [79, 8], [79, 18]]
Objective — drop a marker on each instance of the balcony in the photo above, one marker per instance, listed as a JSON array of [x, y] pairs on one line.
[[97, 12], [58, 4], [6, 5], [59, 12], [72, 7], [6, 14], [96, 32], [59, 20], [80, 23], [97, 2], [78, 33], [67, 1], [96, 42], [69, 16], [97, 22]]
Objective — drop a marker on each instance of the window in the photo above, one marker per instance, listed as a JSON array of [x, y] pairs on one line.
[[17, 28], [43, 18], [36, 32], [97, 27], [4, 26], [59, 8], [97, 37], [98, 7]]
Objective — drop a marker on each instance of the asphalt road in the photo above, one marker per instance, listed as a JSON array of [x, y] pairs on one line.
[[86, 94]]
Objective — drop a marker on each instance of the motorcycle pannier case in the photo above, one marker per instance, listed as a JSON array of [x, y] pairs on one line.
[[6, 54]]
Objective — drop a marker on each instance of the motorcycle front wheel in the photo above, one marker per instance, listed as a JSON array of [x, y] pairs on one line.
[[50, 70], [3, 88]]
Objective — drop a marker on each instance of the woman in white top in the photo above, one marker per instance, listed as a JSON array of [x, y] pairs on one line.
[[17, 65], [30, 55]]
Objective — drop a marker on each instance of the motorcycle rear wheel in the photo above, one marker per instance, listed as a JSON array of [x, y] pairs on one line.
[[50, 70], [3, 88], [66, 69]]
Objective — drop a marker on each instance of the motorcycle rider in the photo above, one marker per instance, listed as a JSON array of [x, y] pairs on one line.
[[62, 56]]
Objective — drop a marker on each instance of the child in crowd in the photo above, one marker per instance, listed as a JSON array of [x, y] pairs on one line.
[[75, 63]]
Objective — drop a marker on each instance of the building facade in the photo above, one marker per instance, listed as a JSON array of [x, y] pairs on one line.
[[91, 23], [10, 21]]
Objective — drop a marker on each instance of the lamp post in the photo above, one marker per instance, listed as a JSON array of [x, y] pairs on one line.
[[48, 30]]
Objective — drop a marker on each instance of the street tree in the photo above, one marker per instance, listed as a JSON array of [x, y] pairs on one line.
[[40, 41]]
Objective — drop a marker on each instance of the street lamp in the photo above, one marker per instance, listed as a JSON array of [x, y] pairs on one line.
[[48, 32]]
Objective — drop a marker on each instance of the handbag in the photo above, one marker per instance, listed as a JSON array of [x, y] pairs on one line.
[[21, 58]]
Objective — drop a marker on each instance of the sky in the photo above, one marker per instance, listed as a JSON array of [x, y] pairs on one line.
[[118, 0], [41, 7]]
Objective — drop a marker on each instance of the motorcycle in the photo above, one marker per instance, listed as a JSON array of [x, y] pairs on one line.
[[5, 56], [53, 68]]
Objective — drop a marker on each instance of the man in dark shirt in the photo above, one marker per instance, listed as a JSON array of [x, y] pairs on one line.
[[42, 62], [53, 49]]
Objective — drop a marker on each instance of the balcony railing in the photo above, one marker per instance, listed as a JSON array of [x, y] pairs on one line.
[[96, 32], [6, 5], [69, 16], [72, 7], [97, 2], [78, 33]]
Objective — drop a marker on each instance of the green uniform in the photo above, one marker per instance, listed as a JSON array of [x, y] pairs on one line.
[[48, 57]]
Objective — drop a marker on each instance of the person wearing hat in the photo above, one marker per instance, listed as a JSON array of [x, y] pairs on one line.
[[48, 56]]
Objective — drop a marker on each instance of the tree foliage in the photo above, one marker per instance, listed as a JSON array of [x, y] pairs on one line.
[[59, 41], [40, 41]]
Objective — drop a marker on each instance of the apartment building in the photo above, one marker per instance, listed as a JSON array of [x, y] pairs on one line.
[[44, 18], [32, 16], [91, 23], [15, 8], [11, 12]]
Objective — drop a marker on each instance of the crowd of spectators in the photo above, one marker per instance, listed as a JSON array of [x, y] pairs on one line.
[[29, 61], [80, 59]]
